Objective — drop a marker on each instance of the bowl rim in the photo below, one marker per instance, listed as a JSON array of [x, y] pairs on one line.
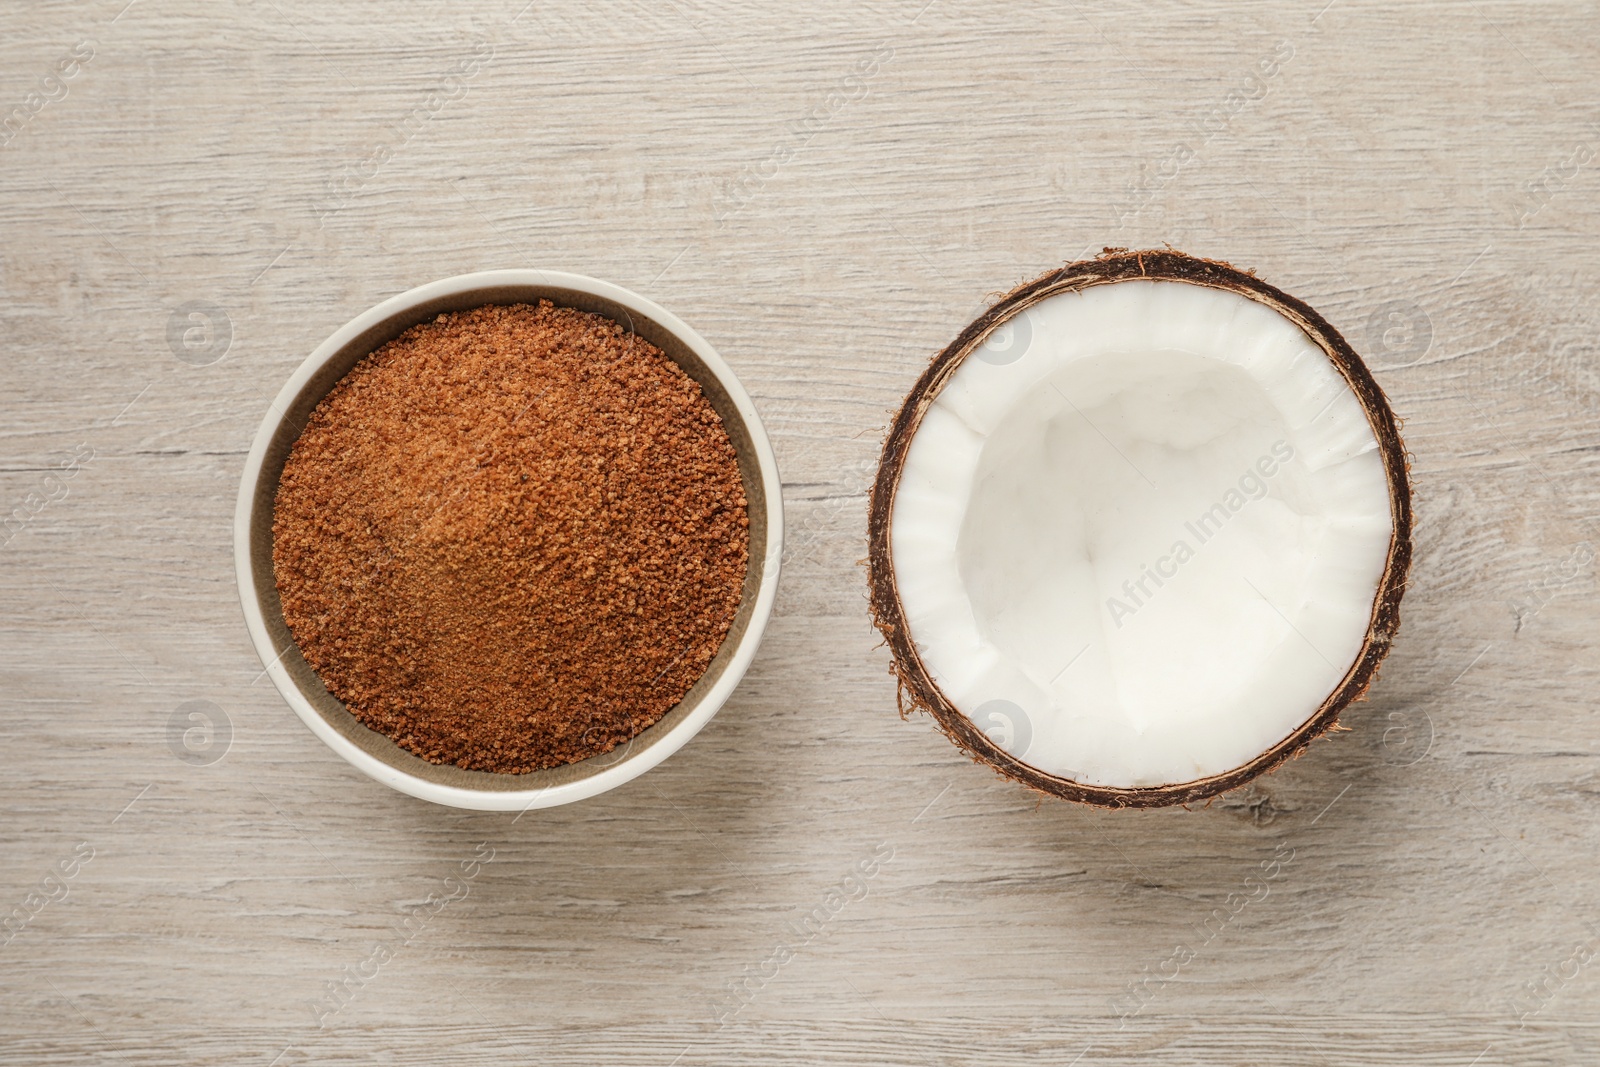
[[609, 777]]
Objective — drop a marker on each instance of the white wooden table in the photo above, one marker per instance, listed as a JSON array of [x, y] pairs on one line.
[[827, 196]]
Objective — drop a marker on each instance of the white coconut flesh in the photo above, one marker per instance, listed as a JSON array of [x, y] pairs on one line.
[[1139, 532]]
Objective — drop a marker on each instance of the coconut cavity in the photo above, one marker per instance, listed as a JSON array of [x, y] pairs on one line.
[[1138, 533]]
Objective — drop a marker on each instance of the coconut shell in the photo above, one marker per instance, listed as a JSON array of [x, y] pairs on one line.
[[917, 690]]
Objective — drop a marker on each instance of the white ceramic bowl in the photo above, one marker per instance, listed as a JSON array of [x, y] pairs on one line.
[[372, 752]]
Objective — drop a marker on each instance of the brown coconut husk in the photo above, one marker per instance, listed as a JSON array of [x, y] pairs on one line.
[[917, 690]]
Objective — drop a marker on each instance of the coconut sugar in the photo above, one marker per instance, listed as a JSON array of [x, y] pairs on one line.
[[512, 538]]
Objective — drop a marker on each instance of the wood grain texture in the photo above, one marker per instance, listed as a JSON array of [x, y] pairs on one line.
[[828, 197]]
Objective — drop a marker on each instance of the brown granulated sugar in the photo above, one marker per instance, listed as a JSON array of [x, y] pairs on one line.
[[511, 538]]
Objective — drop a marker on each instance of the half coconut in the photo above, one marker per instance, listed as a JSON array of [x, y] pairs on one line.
[[1140, 533]]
